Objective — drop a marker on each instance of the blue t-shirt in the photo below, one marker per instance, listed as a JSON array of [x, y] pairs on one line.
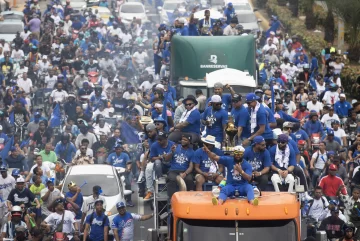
[[181, 159], [313, 127], [157, 150], [229, 13], [225, 99], [125, 225], [68, 149], [257, 160], [194, 122], [262, 119], [275, 161], [202, 158], [232, 177], [301, 135], [118, 160], [342, 108], [79, 201], [97, 225], [243, 121], [217, 119]]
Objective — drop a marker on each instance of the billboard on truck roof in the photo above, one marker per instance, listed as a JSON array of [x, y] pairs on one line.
[[193, 57]]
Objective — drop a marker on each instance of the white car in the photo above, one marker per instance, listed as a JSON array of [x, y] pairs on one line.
[[107, 177], [129, 10], [169, 7]]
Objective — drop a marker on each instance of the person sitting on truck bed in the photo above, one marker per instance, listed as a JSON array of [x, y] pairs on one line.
[[259, 158], [205, 169], [283, 163], [226, 98], [239, 173], [181, 167]]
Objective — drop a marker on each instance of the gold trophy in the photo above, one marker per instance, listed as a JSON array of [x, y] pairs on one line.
[[231, 132]]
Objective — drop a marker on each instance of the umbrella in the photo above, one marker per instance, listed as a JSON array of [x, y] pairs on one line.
[[213, 14]]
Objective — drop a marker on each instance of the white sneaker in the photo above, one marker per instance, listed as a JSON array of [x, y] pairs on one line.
[[256, 192], [307, 197]]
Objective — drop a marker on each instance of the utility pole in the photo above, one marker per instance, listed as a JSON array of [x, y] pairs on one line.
[[341, 32]]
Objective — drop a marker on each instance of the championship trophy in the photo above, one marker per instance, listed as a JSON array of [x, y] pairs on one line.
[[231, 132]]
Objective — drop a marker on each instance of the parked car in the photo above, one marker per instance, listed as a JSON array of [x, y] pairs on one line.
[[9, 28], [129, 10], [104, 13]]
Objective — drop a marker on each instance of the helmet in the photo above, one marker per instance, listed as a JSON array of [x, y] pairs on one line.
[[348, 225], [65, 137], [15, 172], [302, 104], [312, 113], [301, 142], [239, 149], [265, 87], [16, 209], [3, 168]]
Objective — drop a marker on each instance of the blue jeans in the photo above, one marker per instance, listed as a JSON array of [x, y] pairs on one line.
[[244, 189]]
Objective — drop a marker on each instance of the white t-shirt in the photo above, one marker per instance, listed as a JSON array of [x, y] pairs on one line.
[[147, 85], [340, 133], [89, 204], [106, 129], [50, 81], [331, 98], [140, 57], [327, 119], [52, 197], [129, 96], [320, 88], [337, 67], [44, 168], [291, 106], [320, 159], [319, 209], [11, 228], [267, 47], [105, 112], [59, 96], [25, 84], [17, 55], [54, 219], [6, 185], [126, 38], [317, 106], [89, 152]]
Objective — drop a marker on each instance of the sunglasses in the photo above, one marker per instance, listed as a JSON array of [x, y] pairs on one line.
[[218, 104], [189, 104], [282, 142], [235, 101], [287, 128]]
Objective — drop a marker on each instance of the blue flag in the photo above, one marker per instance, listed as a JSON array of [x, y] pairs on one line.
[[55, 119], [164, 114], [171, 18], [130, 133], [5, 152], [272, 98], [274, 26], [312, 81], [12, 118]]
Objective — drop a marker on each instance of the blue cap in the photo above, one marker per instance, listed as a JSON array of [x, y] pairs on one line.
[[13, 148], [330, 132], [15, 172], [258, 139], [251, 97], [230, 4], [37, 114], [331, 153], [49, 179], [283, 138], [120, 205]]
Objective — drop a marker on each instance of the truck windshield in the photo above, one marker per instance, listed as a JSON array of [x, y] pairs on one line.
[[209, 230]]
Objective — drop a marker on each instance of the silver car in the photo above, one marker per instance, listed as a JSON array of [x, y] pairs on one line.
[[9, 28], [129, 10], [13, 15]]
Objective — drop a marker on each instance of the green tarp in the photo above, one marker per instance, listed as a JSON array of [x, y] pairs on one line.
[[193, 57]]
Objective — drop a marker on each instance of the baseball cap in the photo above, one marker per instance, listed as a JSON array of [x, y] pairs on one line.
[[330, 132], [258, 139], [20, 180], [250, 97], [288, 124], [218, 85], [332, 167], [215, 99], [99, 200], [342, 95], [236, 98], [150, 127], [161, 135], [120, 205], [283, 138]]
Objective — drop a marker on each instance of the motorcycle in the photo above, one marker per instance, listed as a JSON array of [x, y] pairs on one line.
[[315, 141], [93, 77]]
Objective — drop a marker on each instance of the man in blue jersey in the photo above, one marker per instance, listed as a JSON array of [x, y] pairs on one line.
[[238, 175], [97, 224], [123, 224]]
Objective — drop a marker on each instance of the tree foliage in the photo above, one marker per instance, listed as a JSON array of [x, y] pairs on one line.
[[329, 27], [349, 12]]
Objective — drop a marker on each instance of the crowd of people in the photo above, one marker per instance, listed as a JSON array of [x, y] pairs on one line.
[[81, 91]]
